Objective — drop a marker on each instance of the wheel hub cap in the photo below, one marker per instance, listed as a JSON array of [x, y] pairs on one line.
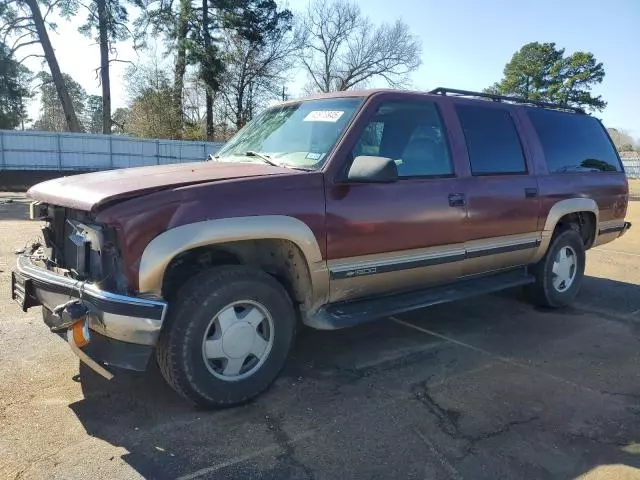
[[238, 340], [564, 269]]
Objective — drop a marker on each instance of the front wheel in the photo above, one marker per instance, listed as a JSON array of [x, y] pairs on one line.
[[227, 336], [559, 273]]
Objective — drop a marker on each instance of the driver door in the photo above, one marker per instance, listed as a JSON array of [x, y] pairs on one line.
[[390, 237]]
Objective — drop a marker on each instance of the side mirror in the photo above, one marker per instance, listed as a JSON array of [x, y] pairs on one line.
[[368, 169]]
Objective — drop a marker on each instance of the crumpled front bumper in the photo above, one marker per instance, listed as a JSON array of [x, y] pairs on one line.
[[124, 329]]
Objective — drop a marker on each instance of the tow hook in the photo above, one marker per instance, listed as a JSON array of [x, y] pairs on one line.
[[74, 319]]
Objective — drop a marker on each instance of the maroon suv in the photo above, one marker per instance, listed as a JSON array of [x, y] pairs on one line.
[[331, 211]]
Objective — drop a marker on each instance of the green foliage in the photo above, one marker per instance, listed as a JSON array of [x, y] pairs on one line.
[[14, 81], [117, 17], [253, 20], [151, 114], [120, 120], [52, 117], [93, 114], [542, 72]]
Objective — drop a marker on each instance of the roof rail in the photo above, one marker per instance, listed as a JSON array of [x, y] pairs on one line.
[[502, 98]]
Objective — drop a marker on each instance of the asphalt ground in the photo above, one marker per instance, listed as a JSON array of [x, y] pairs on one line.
[[485, 388]]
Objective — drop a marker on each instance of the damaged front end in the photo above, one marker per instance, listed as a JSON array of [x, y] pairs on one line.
[[75, 273]]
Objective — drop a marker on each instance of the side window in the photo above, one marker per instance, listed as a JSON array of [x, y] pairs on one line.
[[492, 140], [371, 139], [410, 133], [573, 142]]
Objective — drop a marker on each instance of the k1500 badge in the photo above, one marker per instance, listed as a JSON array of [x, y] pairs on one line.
[[361, 271]]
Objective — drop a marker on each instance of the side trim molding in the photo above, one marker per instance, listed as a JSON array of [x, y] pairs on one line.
[[162, 249], [503, 249], [352, 268], [373, 267]]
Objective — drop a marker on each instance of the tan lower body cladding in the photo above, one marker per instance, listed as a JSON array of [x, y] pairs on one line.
[[396, 271], [376, 274]]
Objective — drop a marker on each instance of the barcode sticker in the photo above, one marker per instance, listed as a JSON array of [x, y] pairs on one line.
[[323, 116]]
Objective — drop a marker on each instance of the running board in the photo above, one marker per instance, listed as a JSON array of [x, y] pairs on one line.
[[348, 314]]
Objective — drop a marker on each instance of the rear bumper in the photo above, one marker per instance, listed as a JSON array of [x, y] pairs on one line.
[[127, 327], [627, 226], [610, 231], [611, 228]]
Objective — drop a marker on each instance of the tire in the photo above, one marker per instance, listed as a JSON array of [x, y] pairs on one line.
[[548, 290], [208, 310]]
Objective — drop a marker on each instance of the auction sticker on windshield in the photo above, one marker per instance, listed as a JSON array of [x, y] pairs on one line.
[[323, 116]]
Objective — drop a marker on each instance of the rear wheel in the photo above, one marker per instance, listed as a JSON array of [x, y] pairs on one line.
[[559, 273], [227, 336]]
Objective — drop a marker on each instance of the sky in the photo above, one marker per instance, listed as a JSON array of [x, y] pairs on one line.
[[465, 44]]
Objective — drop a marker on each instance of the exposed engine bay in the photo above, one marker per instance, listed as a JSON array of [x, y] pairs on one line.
[[73, 245]]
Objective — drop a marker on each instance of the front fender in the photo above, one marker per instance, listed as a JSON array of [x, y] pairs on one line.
[[163, 248]]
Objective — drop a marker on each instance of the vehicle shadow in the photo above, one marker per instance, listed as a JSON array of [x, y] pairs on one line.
[[334, 378]]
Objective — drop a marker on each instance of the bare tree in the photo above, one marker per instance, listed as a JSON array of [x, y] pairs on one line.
[[622, 140], [343, 49], [255, 72]]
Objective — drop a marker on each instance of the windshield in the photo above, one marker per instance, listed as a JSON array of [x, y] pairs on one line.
[[298, 135]]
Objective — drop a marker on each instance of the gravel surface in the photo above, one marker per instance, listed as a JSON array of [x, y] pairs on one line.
[[485, 388]]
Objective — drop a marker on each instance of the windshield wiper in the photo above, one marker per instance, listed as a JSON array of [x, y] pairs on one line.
[[261, 156]]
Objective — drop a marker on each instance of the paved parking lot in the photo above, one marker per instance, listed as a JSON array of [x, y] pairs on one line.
[[481, 389]]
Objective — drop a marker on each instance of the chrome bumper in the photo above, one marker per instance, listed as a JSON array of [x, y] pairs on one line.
[[118, 317], [620, 228]]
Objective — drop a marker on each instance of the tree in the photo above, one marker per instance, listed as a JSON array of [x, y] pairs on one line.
[[93, 114], [542, 72], [23, 21], [255, 69], [151, 111], [530, 72], [120, 120], [107, 20], [343, 49], [175, 21], [152, 115], [13, 90], [622, 140], [52, 115], [194, 34]]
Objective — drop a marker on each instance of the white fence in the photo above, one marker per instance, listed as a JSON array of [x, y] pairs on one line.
[[31, 150], [632, 167]]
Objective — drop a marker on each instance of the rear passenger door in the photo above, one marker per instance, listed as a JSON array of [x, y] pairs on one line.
[[502, 195]]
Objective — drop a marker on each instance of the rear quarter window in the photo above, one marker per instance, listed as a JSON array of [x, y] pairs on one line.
[[573, 142]]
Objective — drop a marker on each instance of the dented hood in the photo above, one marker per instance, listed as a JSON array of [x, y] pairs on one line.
[[89, 191]]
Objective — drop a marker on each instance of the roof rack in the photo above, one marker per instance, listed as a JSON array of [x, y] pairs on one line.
[[502, 98]]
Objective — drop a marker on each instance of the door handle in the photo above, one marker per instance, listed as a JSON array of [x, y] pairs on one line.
[[457, 200], [530, 192]]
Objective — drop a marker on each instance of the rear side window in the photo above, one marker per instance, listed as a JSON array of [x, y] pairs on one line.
[[492, 140], [574, 143]]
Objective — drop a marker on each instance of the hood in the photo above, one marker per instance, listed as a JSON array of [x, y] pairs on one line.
[[89, 191]]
